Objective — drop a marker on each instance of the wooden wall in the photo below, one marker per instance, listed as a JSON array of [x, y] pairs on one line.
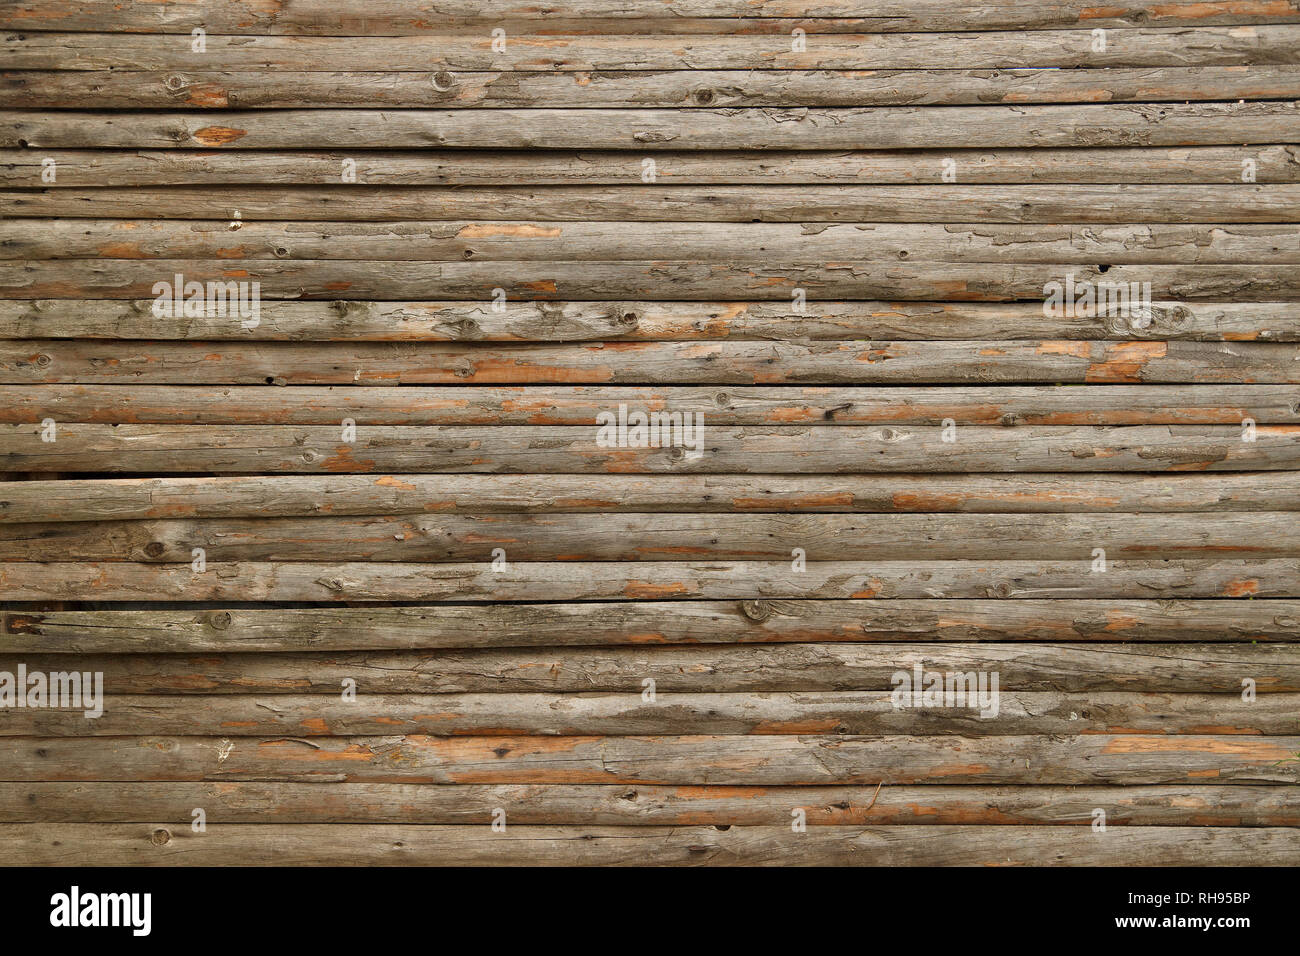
[[654, 188]]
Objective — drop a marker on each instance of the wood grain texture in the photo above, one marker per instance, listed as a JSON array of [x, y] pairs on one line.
[[824, 232], [1065, 667], [675, 278], [505, 714], [584, 404], [1000, 613], [21, 168], [629, 89], [101, 499], [542, 320], [1225, 202], [694, 760], [985, 49], [1122, 244], [404, 18], [156, 844], [854, 362], [344, 582], [635, 537], [1187, 805], [572, 449]]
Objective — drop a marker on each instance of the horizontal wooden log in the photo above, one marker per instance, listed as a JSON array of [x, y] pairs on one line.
[[676, 279], [733, 89], [546, 321], [401, 18], [344, 582], [21, 168], [641, 537], [625, 714], [1227, 202], [856, 362], [1190, 46], [568, 449], [582, 405], [633, 805], [699, 760], [896, 127], [1006, 618], [154, 844], [1123, 244], [1021, 666], [105, 499]]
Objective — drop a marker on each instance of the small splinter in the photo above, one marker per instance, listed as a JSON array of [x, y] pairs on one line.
[[874, 795]]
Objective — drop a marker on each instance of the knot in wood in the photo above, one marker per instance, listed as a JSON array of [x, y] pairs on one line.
[[467, 328], [219, 620], [756, 610], [160, 837]]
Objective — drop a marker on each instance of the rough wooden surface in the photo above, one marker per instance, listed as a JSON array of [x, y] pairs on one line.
[[509, 714], [1229, 201], [402, 17], [98, 499], [1003, 615], [157, 844], [607, 805], [361, 572], [663, 537], [568, 449], [732, 88], [20, 168], [692, 760], [1086, 666], [551, 321]]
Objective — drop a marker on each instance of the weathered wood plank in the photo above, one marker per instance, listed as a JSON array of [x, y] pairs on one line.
[[689, 279], [1274, 43], [402, 18], [154, 844], [1121, 244], [744, 668], [666, 279], [856, 362], [103, 499], [1006, 618], [633, 805], [896, 127], [344, 582], [733, 89], [546, 321], [494, 714], [698, 760], [567, 449], [664, 537], [582, 405], [19, 168], [1227, 202]]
